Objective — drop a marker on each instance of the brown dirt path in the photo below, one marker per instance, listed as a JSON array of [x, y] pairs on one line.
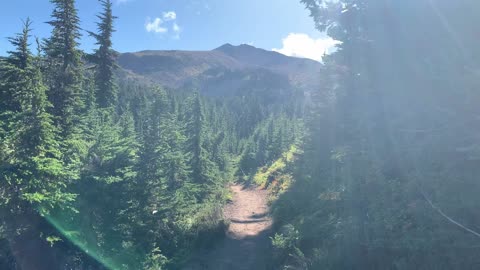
[[246, 244]]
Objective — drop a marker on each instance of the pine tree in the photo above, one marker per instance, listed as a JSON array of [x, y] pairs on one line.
[[64, 64], [14, 85], [13, 71], [112, 155], [33, 171], [172, 168], [149, 163], [104, 58], [202, 166], [173, 159]]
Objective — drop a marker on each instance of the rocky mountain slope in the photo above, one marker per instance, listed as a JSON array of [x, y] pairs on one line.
[[227, 70]]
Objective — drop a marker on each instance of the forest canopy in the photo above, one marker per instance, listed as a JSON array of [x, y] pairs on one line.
[[370, 159]]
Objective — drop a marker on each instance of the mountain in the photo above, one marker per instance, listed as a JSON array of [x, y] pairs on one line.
[[227, 70]]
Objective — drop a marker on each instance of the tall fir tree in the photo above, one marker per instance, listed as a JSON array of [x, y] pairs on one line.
[[33, 172], [13, 69], [195, 130], [104, 58], [202, 167], [173, 159], [64, 64]]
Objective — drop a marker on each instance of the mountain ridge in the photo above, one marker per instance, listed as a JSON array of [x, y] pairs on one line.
[[227, 65]]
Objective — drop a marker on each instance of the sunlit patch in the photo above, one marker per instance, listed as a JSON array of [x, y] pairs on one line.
[[78, 240], [114, 253]]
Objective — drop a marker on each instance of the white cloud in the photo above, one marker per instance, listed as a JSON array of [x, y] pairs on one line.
[[155, 26], [169, 16], [302, 45], [177, 30], [165, 24]]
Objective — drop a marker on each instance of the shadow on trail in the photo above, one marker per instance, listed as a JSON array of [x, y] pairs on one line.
[[259, 215], [247, 221]]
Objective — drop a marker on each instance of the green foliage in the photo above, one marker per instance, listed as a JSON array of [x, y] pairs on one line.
[[33, 171], [272, 138], [383, 140], [267, 174], [286, 251], [64, 65], [203, 169], [13, 71], [104, 172], [112, 154], [286, 240], [104, 58], [277, 176], [52, 240], [156, 261]]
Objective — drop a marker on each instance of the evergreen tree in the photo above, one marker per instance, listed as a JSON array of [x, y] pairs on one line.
[[64, 64], [166, 191], [113, 151], [373, 173], [173, 159], [149, 167], [119, 178], [202, 166], [13, 70], [104, 58], [33, 172]]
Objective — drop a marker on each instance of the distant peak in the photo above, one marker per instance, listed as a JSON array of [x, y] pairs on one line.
[[246, 45], [239, 50], [229, 47], [224, 47]]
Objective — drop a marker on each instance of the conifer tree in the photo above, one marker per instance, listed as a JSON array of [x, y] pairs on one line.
[[64, 65], [13, 70], [113, 152], [33, 171], [173, 159], [149, 162], [202, 167], [104, 58]]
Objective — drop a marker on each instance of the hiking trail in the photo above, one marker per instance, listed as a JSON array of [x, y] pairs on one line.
[[246, 241]]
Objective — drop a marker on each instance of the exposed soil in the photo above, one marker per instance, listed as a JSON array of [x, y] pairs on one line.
[[246, 243]]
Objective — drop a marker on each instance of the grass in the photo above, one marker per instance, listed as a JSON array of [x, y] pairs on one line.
[[277, 176]]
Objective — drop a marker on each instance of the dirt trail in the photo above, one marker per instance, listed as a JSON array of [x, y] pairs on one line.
[[246, 243]]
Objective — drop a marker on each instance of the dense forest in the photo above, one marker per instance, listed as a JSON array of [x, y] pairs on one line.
[[373, 168], [103, 171], [389, 174]]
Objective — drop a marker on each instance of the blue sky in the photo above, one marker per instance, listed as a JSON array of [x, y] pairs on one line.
[[184, 24]]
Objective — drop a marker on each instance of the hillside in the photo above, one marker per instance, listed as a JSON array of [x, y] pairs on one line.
[[223, 71]]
